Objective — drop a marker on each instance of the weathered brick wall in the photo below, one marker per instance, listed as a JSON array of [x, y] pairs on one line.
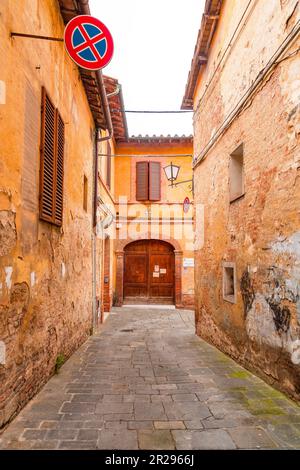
[[260, 232], [45, 271]]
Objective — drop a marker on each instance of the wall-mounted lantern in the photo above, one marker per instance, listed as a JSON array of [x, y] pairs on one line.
[[171, 172]]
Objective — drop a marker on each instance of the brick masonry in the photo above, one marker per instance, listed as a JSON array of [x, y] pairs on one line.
[[260, 231]]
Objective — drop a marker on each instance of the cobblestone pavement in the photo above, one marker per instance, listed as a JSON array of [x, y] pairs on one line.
[[146, 381]]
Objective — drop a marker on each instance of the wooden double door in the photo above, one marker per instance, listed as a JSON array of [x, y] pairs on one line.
[[149, 272]]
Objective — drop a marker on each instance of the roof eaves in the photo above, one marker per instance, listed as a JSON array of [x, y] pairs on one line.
[[69, 9], [208, 27], [116, 104], [162, 139]]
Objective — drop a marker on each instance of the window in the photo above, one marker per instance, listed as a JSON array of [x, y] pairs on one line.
[[236, 174], [52, 163], [108, 166], [148, 181], [85, 193], [229, 282]]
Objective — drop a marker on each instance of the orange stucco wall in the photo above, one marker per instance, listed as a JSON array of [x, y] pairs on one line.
[[164, 219], [46, 286]]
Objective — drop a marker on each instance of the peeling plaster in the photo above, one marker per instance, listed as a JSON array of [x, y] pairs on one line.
[[8, 273], [63, 269], [269, 320], [32, 279], [294, 349], [8, 232], [290, 246], [262, 328], [2, 353], [260, 324], [2, 92]]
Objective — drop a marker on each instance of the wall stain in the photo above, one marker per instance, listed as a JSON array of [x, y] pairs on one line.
[[281, 317], [247, 291]]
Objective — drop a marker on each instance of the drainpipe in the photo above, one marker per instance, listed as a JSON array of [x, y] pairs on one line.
[[108, 120], [98, 139], [114, 93], [94, 245], [84, 4]]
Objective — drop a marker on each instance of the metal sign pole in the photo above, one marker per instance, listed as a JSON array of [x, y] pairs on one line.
[[34, 36]]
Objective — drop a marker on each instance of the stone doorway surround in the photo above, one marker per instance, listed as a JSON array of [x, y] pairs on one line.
[[119, 252]]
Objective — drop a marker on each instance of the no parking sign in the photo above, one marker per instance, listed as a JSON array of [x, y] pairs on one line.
[[186, 205], [88, 42]]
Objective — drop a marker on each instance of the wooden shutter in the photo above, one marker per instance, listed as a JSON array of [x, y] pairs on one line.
[[52, 163], [142, 181], [59, 169], [154, 181], [47, 159], [108, 166]]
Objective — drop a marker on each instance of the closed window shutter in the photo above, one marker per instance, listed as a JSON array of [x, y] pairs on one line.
[[52, 163], [108, 166], [47, 159], [142, 181], [59, 169], [154, 181]]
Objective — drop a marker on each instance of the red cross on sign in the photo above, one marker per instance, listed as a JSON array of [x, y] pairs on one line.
[[88, 42]]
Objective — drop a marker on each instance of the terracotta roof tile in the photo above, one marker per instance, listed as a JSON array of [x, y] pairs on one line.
[[116, 105]]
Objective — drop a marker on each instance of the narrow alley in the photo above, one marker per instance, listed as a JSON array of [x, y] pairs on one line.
[[145, 381], [149, 227]]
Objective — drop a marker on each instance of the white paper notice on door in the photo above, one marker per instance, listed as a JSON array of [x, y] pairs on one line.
[[155, 274], [163, 271], [156, 268]]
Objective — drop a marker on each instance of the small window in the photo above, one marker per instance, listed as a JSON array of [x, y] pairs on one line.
[[85, 193], [148, 181], [236, 174], [52, 163], [229, 282]]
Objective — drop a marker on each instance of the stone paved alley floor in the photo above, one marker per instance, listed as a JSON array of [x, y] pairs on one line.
[[146, 381]]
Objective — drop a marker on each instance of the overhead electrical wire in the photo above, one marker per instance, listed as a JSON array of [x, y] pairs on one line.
[[189, 155], [181, 111]]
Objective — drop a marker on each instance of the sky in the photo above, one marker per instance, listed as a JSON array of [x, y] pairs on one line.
[[154, 42]]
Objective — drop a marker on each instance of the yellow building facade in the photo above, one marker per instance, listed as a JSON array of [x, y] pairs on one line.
[[150, 275], [50, 256], [69, 210]]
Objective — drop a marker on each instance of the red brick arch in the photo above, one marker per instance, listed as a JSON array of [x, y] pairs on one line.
[[120, 246]]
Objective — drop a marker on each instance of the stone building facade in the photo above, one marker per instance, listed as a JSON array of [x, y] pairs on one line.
[[245, 91], [49, 269]]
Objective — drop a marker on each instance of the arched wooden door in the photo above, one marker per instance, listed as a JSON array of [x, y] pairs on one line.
[[149, 267]]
